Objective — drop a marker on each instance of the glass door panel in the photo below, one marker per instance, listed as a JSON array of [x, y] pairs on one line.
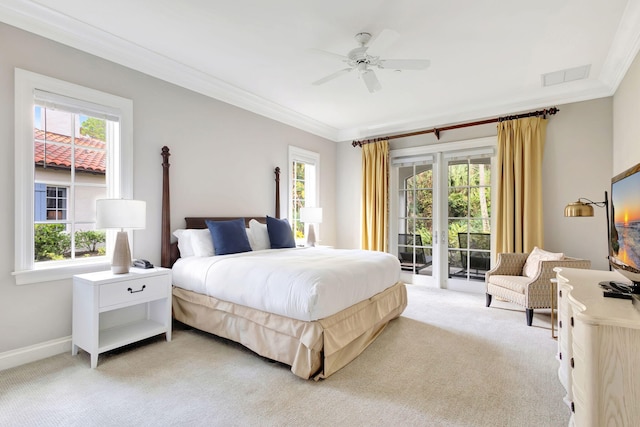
[[442, 205], [469, 221], [415, 218]]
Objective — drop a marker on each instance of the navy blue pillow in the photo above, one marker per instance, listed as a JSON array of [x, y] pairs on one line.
[[280, 233], [229, 237]]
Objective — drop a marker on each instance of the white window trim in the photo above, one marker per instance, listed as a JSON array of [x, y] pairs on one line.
[[306, 156], [471, 146], [26, 83], [437, 153]]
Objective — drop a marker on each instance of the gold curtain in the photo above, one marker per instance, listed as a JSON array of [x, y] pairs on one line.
[[519, 175], [375, 195]]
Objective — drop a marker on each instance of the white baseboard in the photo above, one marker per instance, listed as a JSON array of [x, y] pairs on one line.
[[24, 355]]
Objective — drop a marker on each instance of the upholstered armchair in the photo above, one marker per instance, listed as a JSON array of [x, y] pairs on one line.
[[506, 280]]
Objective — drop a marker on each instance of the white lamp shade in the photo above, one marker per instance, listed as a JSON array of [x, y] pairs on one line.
[[311, 215], [121, 213]]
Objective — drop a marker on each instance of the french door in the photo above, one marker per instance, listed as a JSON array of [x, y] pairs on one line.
[[441, 214], [415, 221]]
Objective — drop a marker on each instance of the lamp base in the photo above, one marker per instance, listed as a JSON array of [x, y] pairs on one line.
[[121, 254], [311, 236]]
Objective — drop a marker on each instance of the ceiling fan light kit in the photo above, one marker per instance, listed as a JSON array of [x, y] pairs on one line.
[[360, 59]]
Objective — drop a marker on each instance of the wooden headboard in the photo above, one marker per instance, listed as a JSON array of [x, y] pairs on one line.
[[200, 221], [169, 251]]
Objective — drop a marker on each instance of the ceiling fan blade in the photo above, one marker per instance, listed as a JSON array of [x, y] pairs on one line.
[[332, 76], [404, 64], [371, 81], [330, 54], [382, 41]]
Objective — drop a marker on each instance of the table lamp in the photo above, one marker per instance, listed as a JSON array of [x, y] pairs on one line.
[[121, 214], [311, 216]]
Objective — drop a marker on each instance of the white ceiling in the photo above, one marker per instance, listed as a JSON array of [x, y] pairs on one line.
[[487, 57]]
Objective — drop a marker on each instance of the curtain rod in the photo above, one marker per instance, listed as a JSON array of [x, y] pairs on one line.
[[551, 111]]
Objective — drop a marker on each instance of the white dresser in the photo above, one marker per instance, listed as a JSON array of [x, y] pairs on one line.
[[113, 310], [598, 349]]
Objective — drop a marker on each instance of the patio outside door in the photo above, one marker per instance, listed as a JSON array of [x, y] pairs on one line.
[[443, 205]]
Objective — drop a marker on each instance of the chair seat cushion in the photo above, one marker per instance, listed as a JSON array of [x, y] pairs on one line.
[[514, 283]]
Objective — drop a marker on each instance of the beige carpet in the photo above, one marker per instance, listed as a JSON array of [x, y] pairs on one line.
[[448, 361]]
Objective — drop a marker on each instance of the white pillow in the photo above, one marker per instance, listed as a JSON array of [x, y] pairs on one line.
[[259, 236], [533, 260], [250, 237], [184, 243], [202, 243], [192, 242]]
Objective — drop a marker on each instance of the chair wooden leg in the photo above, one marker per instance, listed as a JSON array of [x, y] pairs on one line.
[[488, 298], [529, 313]]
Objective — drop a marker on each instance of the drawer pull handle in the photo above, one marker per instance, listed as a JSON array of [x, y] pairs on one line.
[[572, 322], [572, 363], [141, 289], [560, 293], [560, 324]]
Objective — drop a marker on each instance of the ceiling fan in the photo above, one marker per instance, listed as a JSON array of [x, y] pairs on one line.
[[361, 60]]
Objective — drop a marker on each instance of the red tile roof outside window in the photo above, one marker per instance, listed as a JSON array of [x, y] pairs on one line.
[[90, 153]]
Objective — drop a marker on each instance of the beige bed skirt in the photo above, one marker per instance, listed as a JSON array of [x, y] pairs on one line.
[[313, 349]]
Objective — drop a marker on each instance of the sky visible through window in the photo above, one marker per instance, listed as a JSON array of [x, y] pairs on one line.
[[38, 121]]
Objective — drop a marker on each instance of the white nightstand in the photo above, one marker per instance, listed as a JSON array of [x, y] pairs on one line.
[[113, 310]]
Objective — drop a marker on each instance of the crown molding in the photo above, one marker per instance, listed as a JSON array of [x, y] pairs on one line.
[[624, 48], [40, 20], [479, 113]]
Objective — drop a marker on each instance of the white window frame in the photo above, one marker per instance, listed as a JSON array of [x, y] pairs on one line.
[[439, 154], [300, 155], [120, 160]]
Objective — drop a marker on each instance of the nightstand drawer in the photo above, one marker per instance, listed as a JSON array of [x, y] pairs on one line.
[[134, 291]]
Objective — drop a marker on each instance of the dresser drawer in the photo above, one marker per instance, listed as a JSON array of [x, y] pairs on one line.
[[581, 332], [134, 291]]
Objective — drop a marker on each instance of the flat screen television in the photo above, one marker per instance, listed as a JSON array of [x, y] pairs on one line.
[[624, 240]]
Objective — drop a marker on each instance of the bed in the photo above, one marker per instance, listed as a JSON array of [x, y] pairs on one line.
[[286, 322]]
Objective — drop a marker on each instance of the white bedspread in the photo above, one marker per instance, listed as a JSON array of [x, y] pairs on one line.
[[302, 283]]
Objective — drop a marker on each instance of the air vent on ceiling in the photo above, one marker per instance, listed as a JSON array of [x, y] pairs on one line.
[[564, 76]]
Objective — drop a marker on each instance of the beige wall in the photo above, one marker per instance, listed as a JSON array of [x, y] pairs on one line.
[[221, 164], [626, 120], [577, 163]]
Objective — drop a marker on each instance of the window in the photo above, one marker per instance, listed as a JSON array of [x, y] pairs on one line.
[[50, 202], [70, 153], [73, 146], [56, 203], [303, 184]]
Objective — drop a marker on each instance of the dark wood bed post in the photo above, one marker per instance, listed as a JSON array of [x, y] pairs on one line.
[[165, 256], [277, 172], [168, 251]]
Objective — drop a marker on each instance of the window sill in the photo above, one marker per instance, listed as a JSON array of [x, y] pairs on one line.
[[58, 272]]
